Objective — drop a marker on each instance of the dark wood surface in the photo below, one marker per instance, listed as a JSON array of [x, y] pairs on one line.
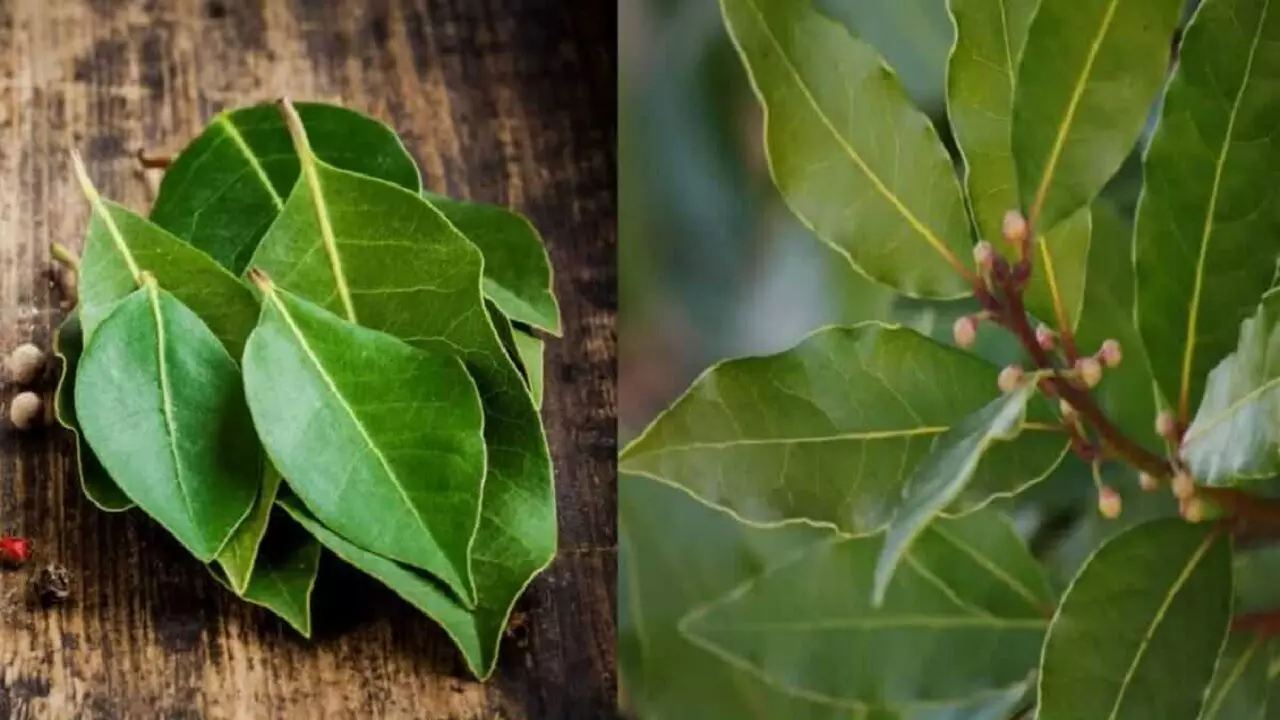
[[505, 101]]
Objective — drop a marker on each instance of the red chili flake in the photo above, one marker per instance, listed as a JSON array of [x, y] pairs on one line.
[[14, 551]]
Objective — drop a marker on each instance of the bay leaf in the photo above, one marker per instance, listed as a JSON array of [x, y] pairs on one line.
[[854, 160], [475, 632], [1087, 77], [68, 345], [286, 563], [1139, 631], [830, 431], [677, 554], [1241, 687], [374, 252], [808, 627], [240, 554], [161, 404], [531, 350], [941, 477], [1235, 435], [381, 441], [120, 245], [224, 189], [1208, 223], [517, 271]]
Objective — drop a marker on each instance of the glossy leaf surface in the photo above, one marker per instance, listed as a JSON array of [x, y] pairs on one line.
[[1138, 633], [853, 158], [120, 245], [517, 272], [382, 255], [1236, 433], [938, 481], [98, 486], [828, 643], [1087, 77], [475, 632], [382, 441], [161, 403], [830, 431], [1208, 224], [226, 187]]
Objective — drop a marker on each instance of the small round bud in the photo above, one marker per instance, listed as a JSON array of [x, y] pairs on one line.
[[24, 410], [1090, 371], [984, 255], [1068, 412], [1192, 509], [1009, 378], [1110, 354], [1109, 503], [1046, 337], [1014, 228], [1148, 482], [1166, 426], [1182, 485], [965, 331], [25, 363]]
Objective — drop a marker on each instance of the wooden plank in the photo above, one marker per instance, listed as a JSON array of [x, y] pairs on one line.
[[500, 100]]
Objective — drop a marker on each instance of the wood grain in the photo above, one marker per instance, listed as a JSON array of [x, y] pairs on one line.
[[500, 100]]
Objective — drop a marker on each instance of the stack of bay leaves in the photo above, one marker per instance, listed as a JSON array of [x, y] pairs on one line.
[[301, 349]]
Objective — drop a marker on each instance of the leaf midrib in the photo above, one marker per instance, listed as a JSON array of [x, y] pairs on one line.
[[1236, 671], [231, 131], [1184, 399], [1159, 618], [342, 401], [166, 402], [995, 570], [1068, 117], [876, 182]]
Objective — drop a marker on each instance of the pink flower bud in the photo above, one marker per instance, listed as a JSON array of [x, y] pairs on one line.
[[1109, 503], [1090, 371], [965, 331], [1148, 482], [1009, 379], [1046, 337], [984, 255], [1014, 228], [1183, 486], [1110, 354], [1166, 427]]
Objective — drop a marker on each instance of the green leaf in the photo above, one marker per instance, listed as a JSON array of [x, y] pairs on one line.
[[1236, 432], [808, 626], [68, 344], [382, 441], [475, 632], [938, 481], [530, 350], [980, 85], [368, 250], [121, 245], [240, 554], [855, 161], [677, 554], [1139, 632], [830, 431], [226, 187], [286, 564], [1240, 687], [1254, 571], [161, 403], [517, 272], [1088, 74], [1126, 393], [1208, 226]]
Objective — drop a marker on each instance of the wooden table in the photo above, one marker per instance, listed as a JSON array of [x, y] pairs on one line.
[[499, 100]]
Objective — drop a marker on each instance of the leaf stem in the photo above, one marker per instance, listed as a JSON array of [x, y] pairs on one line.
[[65, 256]]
